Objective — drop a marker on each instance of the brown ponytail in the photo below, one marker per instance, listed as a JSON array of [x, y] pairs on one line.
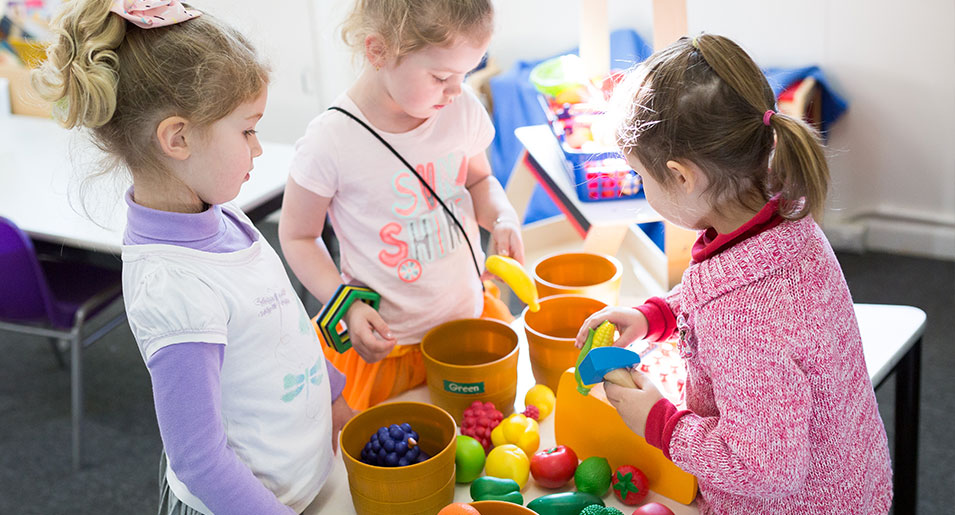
[[702, 99]]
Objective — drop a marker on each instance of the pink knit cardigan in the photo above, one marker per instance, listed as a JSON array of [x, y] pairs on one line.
[[783, 418]]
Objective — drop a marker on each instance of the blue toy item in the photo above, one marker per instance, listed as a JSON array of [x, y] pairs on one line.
[[601, 360]]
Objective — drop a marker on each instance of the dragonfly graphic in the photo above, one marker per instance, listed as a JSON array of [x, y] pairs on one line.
[[296, 383]]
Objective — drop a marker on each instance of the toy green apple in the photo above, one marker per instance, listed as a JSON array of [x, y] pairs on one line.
[[468, 459]]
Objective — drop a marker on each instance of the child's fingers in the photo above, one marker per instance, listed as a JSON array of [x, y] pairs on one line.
[[591, 323], [640, 379]]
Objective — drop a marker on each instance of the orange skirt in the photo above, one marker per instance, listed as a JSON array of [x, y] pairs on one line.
[[368, 384]]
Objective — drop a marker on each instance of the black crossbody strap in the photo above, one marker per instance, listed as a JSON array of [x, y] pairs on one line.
[[420, 178]]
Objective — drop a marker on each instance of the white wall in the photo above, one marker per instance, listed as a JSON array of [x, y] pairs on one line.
[[892, 154]]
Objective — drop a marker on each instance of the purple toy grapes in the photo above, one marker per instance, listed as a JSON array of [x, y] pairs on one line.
[[393, 446]]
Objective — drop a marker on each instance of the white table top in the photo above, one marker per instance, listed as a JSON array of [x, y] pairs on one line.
[[541, 144], [41, 169], [888, 331]]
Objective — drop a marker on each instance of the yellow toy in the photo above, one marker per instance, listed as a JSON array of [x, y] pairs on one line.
[[513, 274]]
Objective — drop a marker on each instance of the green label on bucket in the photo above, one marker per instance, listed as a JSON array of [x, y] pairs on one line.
[[466, 388]]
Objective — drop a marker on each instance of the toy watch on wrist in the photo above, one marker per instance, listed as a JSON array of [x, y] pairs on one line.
[[332, 329]]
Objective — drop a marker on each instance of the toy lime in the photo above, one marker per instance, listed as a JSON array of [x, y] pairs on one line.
[[593, 476], [468, 459]]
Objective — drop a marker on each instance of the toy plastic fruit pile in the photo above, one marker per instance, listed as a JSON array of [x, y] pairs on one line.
[[478, 422], [393, 446]]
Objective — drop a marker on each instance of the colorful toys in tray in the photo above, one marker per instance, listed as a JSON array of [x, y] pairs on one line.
[[575, 107]]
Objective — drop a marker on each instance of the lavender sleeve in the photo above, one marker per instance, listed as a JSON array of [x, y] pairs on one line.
[[336, 380], [185, 380]]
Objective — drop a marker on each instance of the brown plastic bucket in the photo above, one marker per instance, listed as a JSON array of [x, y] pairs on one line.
[[469, 360], [551, 332], [579, 273], [420, 488]]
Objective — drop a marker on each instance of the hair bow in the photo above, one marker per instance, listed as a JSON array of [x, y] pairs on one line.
[[148, 14]]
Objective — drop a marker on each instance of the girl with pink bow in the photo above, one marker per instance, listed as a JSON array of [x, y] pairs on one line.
[[248, 408]]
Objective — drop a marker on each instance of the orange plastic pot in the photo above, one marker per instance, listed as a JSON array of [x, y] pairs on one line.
[[579, 273], [469, 360], [420, 488], [551, 332]]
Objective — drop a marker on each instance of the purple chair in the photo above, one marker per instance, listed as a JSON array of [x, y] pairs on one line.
[[54, 298]]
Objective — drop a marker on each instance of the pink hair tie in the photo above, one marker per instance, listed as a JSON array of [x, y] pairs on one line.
[[148, 14], [767, 115]]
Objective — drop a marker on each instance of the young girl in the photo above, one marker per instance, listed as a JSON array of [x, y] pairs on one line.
[[242, 392], [406, 237], [781, 416]]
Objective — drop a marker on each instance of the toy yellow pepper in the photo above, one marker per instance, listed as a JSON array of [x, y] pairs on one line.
[[519, 430]]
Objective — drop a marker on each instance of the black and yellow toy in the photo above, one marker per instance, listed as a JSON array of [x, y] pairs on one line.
[[328, 320]]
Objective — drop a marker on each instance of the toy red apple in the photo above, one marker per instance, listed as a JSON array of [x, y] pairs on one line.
[[652, 508], [554, 467]]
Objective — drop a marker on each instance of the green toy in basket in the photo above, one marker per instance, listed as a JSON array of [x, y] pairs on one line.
[[334, 333], [554, 76]]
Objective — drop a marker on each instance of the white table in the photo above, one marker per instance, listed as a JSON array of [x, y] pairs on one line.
[[891, 338], [42, 165]]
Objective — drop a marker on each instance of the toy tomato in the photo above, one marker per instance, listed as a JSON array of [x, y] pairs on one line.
[[554, 467], [518, 430], [508, 461], [630, 485]]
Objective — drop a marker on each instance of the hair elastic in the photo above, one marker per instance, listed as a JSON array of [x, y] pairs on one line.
[[767, 115], [695, 42]]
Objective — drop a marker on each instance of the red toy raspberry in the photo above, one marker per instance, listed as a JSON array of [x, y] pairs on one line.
[[478, 421], [531, 411]]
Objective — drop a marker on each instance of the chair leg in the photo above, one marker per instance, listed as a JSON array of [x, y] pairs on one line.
[[76, 392], [55, 345]]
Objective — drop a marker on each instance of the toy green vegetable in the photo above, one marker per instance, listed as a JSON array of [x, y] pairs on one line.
[[489, 488], [567, 503]]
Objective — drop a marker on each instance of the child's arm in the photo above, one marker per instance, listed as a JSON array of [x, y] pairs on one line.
[[492, 209], [185, 380], [759, 444], [300, 232]]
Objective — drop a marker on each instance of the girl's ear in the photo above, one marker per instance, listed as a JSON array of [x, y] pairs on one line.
[[687, 175], [171, 134], [376, 51]]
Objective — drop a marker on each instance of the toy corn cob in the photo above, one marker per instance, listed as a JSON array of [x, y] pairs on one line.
[[602, 337]]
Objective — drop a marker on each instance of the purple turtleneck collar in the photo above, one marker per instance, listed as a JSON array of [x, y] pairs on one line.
[[212, 230]]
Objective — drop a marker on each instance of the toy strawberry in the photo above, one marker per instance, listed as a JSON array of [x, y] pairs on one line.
[[630, 485]]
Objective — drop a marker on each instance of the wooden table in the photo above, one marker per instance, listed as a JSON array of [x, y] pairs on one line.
[[891, 340], [42, 165]]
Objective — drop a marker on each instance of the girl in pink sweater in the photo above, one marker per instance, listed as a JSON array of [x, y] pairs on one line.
[[781, 416]]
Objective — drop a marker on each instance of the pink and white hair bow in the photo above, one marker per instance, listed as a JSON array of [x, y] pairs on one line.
[[148, 14]]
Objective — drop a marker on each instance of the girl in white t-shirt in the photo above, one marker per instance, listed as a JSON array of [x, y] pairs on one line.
[[246, 405], [395, 236]]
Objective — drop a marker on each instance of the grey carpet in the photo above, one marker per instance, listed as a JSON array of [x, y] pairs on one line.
[[122, 443]]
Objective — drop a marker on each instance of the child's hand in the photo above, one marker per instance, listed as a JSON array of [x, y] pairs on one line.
[[506, 240], [634, 404], [369, 334], [631, 324], [341, 413]]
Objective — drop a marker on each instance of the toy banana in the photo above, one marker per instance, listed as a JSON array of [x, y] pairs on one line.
[[514, 275], [602, 337]]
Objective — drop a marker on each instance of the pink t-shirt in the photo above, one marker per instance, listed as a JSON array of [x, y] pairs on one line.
[[394, 237]]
